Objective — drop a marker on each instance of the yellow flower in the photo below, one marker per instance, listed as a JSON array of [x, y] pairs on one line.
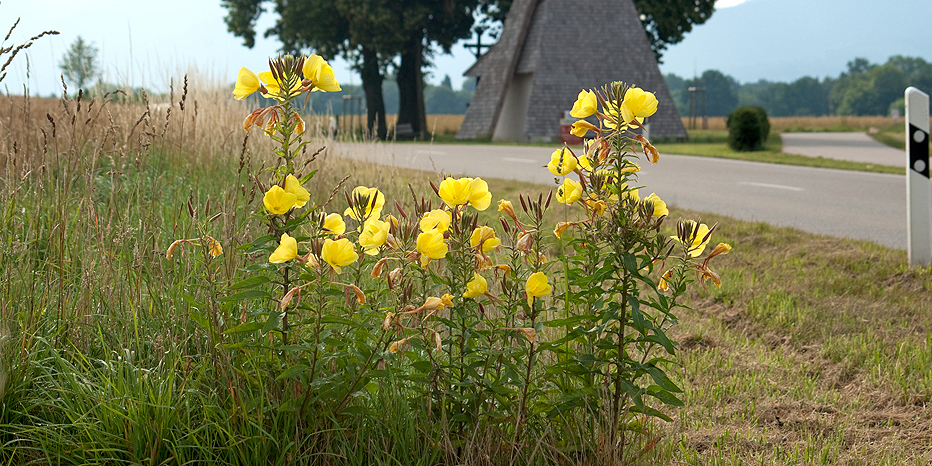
[[695, 248], [454, 191], [372, 200], [447, 299], [430, 245], [663, 284], [373, 236], [319, 72], [486, 236], [612, 120], [630, 168], [312, 66], [597, 206], [581, 127], [287, 249], [299, 126], [569, 192], [561, 227], [660, 207], [278, 201], [334, 224], [399, 346], [271, 85], [638, 105], [339, 253], [436, 219], [720, 249], [215, 248], [293, 186], [562, 162], [433, 303], [536, 287], [474, 191], [246, 83], [585, 105], [505, 206], [476, 287], [479, 195]]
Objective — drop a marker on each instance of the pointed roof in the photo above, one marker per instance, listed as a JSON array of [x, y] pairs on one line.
[[548, 51]]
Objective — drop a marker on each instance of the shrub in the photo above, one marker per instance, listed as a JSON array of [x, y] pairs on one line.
[[748, 128]]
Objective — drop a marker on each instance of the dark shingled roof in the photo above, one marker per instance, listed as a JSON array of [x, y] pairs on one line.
[[566, 46]]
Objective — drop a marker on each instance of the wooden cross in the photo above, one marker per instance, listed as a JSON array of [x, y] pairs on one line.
[[476, 48]]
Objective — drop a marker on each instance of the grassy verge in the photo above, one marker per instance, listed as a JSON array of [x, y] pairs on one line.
[[815, 351]]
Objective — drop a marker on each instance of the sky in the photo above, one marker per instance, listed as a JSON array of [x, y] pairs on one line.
[[152, 43]]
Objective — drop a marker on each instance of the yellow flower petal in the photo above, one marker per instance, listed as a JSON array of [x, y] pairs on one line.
[[486, 236], [373, 236], [660, 207], [334, 224], [637, 105], [339, 253], [246, 83], [293, 186], [569, 192], [286, 250], [537, 286], [585, 105], [278, 201], [430, 245], [562, 162], [436, 219], [476, 287]]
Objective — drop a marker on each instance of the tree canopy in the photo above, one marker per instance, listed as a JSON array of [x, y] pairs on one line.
[[377, 35], [79, 64], [865, 88]]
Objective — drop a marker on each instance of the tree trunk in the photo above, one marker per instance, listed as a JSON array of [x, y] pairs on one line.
[[411, 87], [372, 87]]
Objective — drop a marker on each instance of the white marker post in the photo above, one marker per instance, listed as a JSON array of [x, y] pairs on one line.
[[918, 186]]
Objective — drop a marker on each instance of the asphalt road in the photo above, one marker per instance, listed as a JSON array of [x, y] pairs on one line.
[[847, 204]]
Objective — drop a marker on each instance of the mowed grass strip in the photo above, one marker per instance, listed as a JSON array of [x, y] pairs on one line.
[[816, 350]]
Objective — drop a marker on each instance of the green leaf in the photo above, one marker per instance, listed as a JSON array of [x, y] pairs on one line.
[[664, 396], [247, 327], [631, 262], [273, 322], [651, 412], [294, 371], [200, 320], [637, 319], [244, 295], [660, 377]]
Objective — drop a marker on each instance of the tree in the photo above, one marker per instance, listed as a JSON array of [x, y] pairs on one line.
[[79, 65], [360, 31], [369, 33], [721, 92], [667, 21]]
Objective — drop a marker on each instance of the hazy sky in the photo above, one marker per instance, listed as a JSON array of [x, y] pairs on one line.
[[146, 43]]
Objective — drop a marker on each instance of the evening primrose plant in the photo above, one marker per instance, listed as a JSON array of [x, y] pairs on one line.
[[499, 329], [624, 274]]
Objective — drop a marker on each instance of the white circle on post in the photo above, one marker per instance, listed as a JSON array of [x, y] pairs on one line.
[[919, 136], [919, 166]]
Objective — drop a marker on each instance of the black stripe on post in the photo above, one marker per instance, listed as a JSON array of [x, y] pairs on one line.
[[919, 151]]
